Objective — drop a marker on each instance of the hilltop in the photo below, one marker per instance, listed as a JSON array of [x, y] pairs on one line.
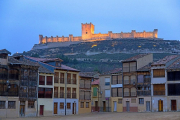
[[106, 55]]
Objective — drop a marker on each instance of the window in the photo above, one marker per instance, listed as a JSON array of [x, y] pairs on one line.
[[114, 79], [140, 78], [174, 76], [56, 77], [49, 80], [158, 73], [11, 105], [68, 105], [61, 105], [107, 93], [133, 100], [94, 91], [2, 104], [87, 104], [119, 101], [82, 104], [174, 89], [141, 100], [41, 80], [30, 104], [107, 81], [159, 89]]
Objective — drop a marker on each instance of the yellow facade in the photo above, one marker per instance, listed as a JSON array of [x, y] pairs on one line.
[[119, 105], [68, 85], [94, 99], [86, 108]]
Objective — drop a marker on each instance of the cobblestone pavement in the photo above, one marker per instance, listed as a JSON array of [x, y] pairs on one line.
[[111, 116]]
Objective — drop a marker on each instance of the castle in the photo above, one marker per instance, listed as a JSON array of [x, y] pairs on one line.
[[88, 35]]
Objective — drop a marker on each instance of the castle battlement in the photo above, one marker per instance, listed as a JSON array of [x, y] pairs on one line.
[[88, 35]]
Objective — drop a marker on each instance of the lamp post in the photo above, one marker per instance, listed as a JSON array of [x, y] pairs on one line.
[[65, 91]]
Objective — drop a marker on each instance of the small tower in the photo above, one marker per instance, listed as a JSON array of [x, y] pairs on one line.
[[155, 33], [4, 56], [87, 31]]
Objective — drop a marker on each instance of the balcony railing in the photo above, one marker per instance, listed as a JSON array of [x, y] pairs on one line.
[[41, 82], [119, 81], [159, 93], [68, 95], [55, 94], [126, 82], [147, 80], [8, 93], [68, 81], [133, 93], [24, 82], [73, 81], [143, 93], [23, 95], [133, 81], [3, 76], [32, 83], [73, 95], [14, 76], [32, 95], [126, 94], [61, 94], [56, 79], [33, 78], [61, 80]]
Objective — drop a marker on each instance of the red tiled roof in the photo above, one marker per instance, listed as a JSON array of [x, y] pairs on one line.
[[63, 67], [96, 82], [165, 60], [134, 58]]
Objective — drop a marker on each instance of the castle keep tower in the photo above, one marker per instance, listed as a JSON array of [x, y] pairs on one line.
[[87, 31]]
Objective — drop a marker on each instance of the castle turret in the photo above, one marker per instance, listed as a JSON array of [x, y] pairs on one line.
[[133, 33], [87, 31], [70, 37], [155, 33], [40, 39]]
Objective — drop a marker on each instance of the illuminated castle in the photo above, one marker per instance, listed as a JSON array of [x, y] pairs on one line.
[[88, 35]]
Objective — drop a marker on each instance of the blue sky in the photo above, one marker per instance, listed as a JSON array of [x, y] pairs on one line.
[[21, 21]]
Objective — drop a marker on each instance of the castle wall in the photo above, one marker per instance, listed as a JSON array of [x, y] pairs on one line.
[[88, 35]]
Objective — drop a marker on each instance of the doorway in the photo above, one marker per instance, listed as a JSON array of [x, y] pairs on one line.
[[160, 105], [41, 110], [96, 105], [74, 108], [173, 105], [104, 106], [147, 105], [127, 106], [115, 106], [55, 108], [22, 108]]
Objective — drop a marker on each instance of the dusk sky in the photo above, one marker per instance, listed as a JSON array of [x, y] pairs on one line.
[[21, 21]]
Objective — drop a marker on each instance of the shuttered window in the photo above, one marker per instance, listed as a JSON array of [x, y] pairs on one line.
[[94, 91], [158, 73]]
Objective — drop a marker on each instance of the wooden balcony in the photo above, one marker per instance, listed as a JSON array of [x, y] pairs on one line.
[[158, 92], [144, 93]]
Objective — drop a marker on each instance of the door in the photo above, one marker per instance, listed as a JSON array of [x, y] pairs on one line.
[[115, 106], [74, 108], [127, 106], [96, 105], [55, 108], [41, 110], [173, 105], [160, 105], [147, 105], [104, 106], [22, 109]]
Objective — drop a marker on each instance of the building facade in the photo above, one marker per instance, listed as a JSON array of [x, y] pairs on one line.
[[130, 67], [85, 93]]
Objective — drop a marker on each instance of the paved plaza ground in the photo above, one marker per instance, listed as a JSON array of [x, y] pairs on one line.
[[111, 116]]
